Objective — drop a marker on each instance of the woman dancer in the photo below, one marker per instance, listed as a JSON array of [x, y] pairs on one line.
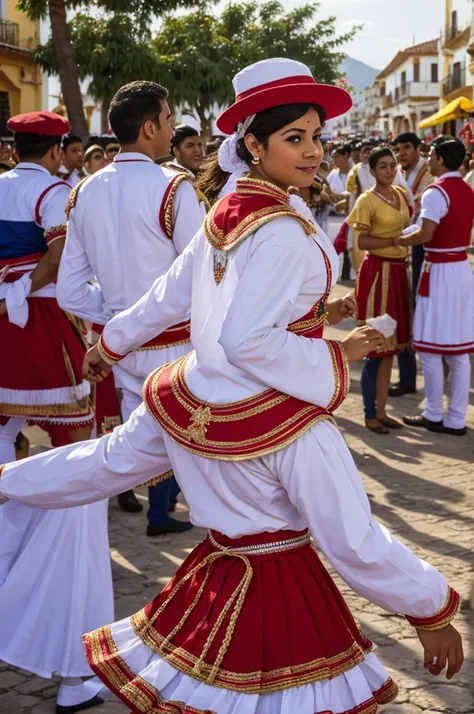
[[380, 215], [252, 622]]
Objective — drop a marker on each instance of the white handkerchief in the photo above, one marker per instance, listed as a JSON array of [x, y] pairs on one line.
[[384, 324]]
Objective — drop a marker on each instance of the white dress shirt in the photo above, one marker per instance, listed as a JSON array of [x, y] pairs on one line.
[[114, 235]]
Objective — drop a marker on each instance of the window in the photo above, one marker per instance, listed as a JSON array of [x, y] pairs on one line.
[[456, 75], [4, 113], [416, 70], [434, 72]]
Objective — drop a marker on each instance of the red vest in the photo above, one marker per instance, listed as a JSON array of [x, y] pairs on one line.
[[454, 230]]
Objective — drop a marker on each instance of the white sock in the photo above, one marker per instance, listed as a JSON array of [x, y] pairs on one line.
[[74, 690]]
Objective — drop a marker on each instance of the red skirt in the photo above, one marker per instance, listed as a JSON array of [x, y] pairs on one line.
[[382, 287], [253, 622], [41, 370]]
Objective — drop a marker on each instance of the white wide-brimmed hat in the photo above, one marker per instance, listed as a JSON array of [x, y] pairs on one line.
[[278, 81]]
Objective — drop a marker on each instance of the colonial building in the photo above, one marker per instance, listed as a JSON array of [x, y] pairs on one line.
[[20, 77], [457, 78], [406, 91]]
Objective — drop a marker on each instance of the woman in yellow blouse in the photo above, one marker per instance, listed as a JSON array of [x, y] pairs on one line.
[[379, 217]]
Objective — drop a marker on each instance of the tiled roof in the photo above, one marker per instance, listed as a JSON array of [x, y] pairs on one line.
[[424, 48]]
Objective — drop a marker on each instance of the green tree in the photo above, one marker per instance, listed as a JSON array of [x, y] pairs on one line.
[[66, 63], [114, 52], [109, 50], [199, 52]]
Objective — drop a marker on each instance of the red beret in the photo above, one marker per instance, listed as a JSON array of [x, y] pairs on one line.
[[41, 123]]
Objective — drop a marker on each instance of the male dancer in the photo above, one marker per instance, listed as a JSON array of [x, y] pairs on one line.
[[55, 576], [418, 177], [187, 150], [444, 315], [72, 167], [127, 224]]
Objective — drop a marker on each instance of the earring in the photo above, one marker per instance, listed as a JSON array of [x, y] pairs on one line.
[[256, 160]]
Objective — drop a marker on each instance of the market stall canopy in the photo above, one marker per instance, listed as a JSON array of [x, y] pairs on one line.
[[457, 109]]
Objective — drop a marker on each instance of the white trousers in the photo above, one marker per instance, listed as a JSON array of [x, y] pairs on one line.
[[433, 373]]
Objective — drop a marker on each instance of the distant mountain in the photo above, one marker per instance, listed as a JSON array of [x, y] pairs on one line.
[[359, 75]]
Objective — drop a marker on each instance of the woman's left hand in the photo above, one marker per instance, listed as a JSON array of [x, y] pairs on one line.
[[348, 306], [340, 309]]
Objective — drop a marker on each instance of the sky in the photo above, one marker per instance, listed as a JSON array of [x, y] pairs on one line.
[[388, 26]]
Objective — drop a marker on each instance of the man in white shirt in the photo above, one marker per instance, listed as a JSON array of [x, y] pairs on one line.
[[415, 170], [443, 327], [338, 177], [72, 167], [187, 149], [127, 225]]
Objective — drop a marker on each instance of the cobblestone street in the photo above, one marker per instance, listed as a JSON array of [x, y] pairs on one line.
[[421, 487]]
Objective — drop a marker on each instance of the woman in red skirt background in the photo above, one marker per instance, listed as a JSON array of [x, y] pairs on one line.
[[379, 217]]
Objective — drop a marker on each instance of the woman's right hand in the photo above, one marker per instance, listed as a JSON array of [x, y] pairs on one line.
[[442, 647], [361, 341], [94, 369]]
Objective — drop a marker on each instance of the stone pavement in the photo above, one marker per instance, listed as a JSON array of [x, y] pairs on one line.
[[421, 487]]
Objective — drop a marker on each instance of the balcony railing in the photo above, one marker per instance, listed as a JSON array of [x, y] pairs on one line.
[[455, 80], [450, 33], [9, 33], [418, 89]]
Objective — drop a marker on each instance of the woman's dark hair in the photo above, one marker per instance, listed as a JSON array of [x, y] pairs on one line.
[[211, 179], [272, 120], [378, 154], [132, 105], [452, 152]]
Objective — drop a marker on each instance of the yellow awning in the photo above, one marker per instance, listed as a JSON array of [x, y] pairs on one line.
[[457, 109]]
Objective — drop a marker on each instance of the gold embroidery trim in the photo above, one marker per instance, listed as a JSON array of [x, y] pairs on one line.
[[158, 479], [135, 690], [74, 195], [295, 676], [168, 208], [310, 323], [386, 693], [178, 382], [281, 429], [104, 353], [451, 614], [139, 693], [60, 230], [249, 225], [167, 345], [48, 410], [248, 185], [385, 280], [339, 382]]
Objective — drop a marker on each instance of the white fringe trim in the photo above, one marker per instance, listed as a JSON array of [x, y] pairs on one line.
[[81, 419], [40, 397]]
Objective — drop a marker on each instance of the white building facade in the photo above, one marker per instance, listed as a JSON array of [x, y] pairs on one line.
[[407, 90]]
